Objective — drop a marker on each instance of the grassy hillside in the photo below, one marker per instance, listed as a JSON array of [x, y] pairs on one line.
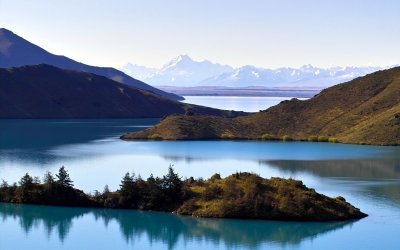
[[44, 91], [363, 111]]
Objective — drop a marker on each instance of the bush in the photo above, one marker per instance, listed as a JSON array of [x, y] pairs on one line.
[[211, 192], [267, 137], [215, 177], [286, 138], [333, 140], [322, 138], [313, 138], [155, 137], [228, 135]]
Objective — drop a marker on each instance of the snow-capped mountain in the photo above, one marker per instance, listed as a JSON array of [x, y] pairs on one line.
[[306, 76], [183, 71], [141, 72]]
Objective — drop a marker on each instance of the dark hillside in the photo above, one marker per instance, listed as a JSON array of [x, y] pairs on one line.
[[44, 91]]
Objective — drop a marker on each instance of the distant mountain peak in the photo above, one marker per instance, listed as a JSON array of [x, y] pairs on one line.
[[184, 57], [179, 60]]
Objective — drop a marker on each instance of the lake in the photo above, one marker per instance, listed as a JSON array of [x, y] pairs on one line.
[[237, 103], [367, 176]]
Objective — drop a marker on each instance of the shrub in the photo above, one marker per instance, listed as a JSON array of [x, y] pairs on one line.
[[211, 192], [313, 138], [155, 137], [267, 137], [227, 135], [333, 140], [286, 138], [322, 138], [215, 177]]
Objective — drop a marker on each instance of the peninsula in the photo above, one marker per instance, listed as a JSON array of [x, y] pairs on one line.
[[365, 110]]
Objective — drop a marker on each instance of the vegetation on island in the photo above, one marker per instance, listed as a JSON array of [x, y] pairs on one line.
[[241, 195], [365, 110]]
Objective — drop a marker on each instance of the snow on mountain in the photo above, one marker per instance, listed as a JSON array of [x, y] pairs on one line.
[[183, 71], [306, 76], [140, 72]]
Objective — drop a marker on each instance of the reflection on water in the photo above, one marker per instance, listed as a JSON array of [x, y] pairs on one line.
[[377, 179], [32, 139], [367, 176], [166, 228], [354, 168]]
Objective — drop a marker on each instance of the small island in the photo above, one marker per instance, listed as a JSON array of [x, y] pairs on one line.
[[240, 195]]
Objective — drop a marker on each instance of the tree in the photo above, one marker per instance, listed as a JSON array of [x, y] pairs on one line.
[[172, 181], [48, 179], [128, 191], [26, 185], [63, 178], [36, 180], [153, 197], [127, 184], [26, 181], [106, 190], [172, 185], [4, 184]]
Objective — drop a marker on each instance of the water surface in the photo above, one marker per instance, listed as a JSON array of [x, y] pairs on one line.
[[237, 103], [367, 176]]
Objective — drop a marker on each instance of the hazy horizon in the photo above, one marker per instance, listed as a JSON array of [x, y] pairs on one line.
[[268, 34]]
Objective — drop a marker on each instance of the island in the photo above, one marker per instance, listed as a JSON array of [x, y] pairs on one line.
[[365, 110], [240, 195]]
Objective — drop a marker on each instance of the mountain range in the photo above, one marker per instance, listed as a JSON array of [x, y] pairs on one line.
[[15, 51], [183, 71]]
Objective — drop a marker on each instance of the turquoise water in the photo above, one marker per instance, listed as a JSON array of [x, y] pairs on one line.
[[367, 176], [237, 103]]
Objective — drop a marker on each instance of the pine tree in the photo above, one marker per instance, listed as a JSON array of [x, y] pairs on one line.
[[172, 181], [172, 185], [63, 178], [127, 184], [106, 190], [128, 190], [4, 184], [26, 181], [48, 179]]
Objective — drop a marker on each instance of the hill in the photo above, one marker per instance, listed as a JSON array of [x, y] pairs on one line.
[[44, 91], [16, 51], [365, 110]]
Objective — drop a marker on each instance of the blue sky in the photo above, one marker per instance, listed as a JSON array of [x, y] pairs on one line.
[[262, 33]]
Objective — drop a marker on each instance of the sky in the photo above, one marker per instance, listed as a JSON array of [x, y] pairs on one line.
[[264, 33]]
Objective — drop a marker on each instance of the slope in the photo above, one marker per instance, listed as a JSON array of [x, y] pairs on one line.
[[16, 51], [44, 91], [365, 110]]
